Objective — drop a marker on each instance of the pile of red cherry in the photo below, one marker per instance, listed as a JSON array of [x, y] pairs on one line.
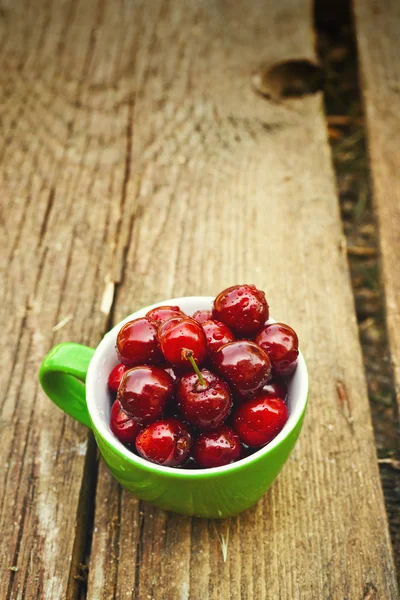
[[202, 391]]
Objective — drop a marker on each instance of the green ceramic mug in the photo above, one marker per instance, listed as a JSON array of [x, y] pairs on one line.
[[75, 378]]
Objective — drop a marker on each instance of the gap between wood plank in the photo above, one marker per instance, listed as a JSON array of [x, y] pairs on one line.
[[84, 522], [342, 15]]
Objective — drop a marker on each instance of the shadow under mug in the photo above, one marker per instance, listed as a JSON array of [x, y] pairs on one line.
[[75, 378]]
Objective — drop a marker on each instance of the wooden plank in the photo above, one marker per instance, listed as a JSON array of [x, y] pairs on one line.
[[377, 29], [62, 195], [228, 187]]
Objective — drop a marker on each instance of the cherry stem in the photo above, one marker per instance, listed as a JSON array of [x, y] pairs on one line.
[[188, 354]]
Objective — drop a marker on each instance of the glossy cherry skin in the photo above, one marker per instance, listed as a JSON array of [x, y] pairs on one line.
[[259, 420], [170, 372], [216, 448], [217, 334], [201, 316], [122, 425], [114, 379], [179, 335], [281, 344], [205, 407], [144, 393], [243, 308], [137, 343], [167, 442], [277, 388], [244, 365], [163, 313]]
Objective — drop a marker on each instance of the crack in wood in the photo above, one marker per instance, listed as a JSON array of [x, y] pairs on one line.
[[139, 550], [46, 217], [17, 547], [84, 521], [344, 403], [117, 557], [370, 592]]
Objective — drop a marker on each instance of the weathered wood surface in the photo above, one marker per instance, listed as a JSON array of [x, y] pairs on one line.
[[232, 188], [135, 152], [62, 187], [377, 30]]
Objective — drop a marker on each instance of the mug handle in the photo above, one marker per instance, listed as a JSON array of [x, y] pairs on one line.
[[62, 376]]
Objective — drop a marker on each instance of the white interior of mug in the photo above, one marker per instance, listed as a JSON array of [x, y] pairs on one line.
[[105, 359]]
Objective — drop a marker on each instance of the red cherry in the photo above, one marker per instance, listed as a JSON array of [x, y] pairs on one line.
[[205, 406], [166, 442], [217, 448], [114, 379], [144, 393], [244, 365], [179, 335], [277, 388], [217, 335], [137, 343], [122, 425], [281, 344], [258, 421], [163, 313], [201, 316], [243, 308]]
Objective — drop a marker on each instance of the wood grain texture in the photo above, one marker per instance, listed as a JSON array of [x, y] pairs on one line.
[[136, 157], [62, 189], [228, 187], [377, 30]]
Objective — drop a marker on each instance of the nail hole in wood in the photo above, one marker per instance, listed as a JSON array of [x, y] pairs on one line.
[[288, 79]]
